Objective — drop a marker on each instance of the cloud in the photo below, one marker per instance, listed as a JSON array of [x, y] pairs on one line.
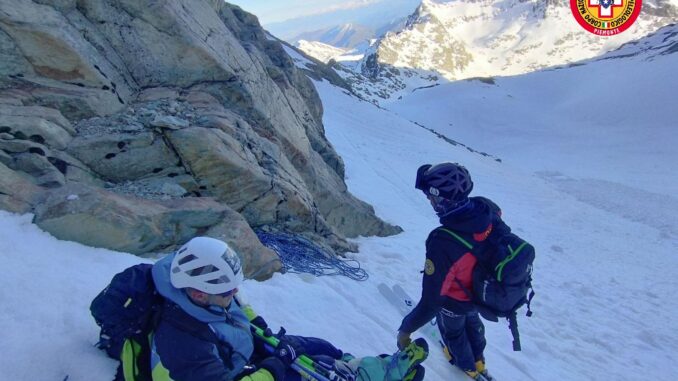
[[345, 5], [340, 6]]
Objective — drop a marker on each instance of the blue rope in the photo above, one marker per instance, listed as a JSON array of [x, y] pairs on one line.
[[299, 255]]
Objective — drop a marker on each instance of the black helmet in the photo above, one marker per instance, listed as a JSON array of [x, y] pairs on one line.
[[450, 181]]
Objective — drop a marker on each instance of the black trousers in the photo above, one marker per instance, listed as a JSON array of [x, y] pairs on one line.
[[464, 336]]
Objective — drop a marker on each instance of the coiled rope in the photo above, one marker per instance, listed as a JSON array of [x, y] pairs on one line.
[[299, 255]]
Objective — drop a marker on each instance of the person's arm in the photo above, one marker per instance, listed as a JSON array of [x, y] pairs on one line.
[[435, 269]]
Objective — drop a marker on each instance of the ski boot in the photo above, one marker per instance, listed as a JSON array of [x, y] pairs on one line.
[[407, 362], [416, 374], [416, 352], [480, 368]]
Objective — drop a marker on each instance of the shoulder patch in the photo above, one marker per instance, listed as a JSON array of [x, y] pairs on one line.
[[429, 268]]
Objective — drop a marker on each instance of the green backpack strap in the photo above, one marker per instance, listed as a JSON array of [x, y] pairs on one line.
[[458, 237], [500, 266]]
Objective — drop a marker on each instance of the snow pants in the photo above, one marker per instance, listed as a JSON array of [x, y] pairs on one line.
[[313, 347], [464, 337]]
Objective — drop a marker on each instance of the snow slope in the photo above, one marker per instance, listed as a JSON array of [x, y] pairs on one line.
[[603, 130], [605, 280]]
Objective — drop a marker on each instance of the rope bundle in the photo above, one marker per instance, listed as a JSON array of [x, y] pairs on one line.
[[299, 255]]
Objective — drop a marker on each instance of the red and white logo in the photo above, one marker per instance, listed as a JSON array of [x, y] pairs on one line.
[[605, 17]]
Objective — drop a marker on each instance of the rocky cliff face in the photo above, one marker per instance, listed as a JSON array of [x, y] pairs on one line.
[[135, 125]]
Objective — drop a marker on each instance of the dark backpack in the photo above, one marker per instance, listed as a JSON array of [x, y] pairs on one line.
[[502, 277], [127, 311]]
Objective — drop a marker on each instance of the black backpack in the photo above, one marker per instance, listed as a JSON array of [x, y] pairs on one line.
[[502, 277], [127, 311]]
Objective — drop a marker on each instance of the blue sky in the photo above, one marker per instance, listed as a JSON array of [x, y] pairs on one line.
[[271, 11]]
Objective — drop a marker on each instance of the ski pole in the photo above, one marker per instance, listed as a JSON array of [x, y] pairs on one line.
[[303, 364]]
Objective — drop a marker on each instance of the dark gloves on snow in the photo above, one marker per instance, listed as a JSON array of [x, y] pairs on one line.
[[287, 351], [259, 322], [283, 356]]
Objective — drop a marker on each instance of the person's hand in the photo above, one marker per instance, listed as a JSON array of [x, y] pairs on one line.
[[274, 366], [259, 322], [403, 340], [287, 351]]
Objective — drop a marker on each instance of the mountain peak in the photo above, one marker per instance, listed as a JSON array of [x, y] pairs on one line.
[[483, 38]]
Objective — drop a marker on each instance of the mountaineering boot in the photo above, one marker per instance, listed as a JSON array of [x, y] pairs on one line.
[[448, 355], [416, 374], [477, 376], [408, 361], [480, 368], [417, 352]]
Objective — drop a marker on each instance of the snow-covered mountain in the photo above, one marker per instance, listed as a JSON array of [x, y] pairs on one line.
[[320, 51], [340, 36], [486, 38], [369, 19]]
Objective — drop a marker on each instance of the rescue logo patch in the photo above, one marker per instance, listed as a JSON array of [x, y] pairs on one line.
[[605, 17], [429, 269]]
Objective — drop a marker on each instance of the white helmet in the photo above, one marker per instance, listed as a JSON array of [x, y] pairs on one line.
[[206, 264]]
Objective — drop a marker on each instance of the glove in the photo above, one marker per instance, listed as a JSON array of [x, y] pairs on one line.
[[275, 367], [261, 323], [287, 351], [403, 340]]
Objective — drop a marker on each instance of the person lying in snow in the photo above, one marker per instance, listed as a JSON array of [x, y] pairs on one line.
[[181, 319]]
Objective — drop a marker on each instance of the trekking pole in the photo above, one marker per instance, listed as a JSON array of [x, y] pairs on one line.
[[304, 365]]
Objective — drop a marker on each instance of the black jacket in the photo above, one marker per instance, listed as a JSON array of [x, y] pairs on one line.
[[449, 264]]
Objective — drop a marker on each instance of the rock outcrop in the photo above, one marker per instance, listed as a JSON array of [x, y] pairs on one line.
[[134, 125]]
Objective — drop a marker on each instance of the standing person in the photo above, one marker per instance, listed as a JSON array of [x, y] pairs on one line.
[[448, 269]]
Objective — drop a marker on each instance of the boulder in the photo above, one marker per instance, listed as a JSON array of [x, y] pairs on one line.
[[120, 157], [99, 218], [17, 192], [38, 166], [48, 114], [35, 129], [222, 166], [56, 60]]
